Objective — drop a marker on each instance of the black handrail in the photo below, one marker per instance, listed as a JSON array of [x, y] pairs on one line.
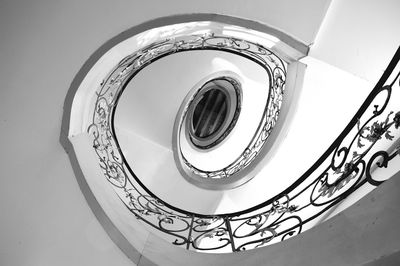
[[347, 165]]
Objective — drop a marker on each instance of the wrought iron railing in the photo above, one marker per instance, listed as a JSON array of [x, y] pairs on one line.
[[346, 166]]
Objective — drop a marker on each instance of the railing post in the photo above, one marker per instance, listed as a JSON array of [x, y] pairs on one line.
[[229, 229], [189, 239]]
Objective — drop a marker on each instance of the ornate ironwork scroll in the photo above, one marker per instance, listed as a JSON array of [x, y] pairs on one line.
[[276, 71], [346, 166]]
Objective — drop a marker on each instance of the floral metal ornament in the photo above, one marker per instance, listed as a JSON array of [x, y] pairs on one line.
[[346, 166]]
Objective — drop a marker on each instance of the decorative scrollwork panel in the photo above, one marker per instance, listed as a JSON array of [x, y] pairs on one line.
[[347, 165]]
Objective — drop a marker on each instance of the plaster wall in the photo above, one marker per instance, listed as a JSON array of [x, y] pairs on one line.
[[359, 36]]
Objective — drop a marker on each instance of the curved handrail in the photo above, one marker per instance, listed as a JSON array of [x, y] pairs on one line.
[[342, 169]]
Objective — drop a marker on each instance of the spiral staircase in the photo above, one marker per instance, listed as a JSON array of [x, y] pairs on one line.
[[189, 137]]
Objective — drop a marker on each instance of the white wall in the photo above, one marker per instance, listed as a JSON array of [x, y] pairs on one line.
[[359, 36], [44, 217]]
